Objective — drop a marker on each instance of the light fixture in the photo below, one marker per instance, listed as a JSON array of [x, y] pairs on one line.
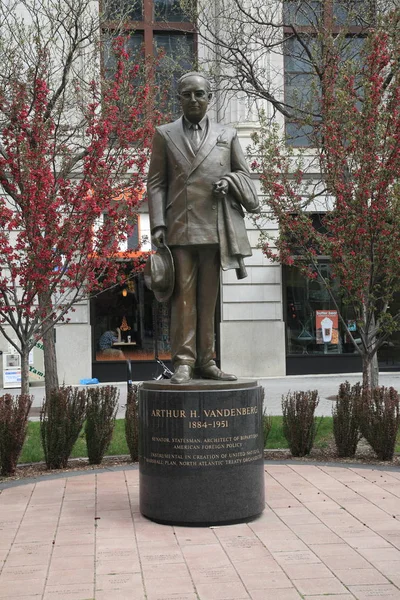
[[124, 292]]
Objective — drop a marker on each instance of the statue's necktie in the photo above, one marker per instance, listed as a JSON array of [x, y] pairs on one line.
[[195, 138]]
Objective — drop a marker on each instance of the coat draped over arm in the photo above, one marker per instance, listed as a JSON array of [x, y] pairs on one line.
[[234, 243]]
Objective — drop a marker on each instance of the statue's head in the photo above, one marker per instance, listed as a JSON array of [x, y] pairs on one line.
[[194, 93]]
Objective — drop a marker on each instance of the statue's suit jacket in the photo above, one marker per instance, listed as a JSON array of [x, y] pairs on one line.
[[180, 189]]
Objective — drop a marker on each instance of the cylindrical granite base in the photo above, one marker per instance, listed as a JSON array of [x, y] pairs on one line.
[[201, 452]]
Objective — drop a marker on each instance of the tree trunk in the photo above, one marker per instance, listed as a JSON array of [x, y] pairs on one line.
[[49, 348], [24, 371], [50, 361], [370, 355], [370, 371]]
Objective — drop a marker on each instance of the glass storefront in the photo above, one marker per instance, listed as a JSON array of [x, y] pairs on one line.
[[130, 330], [127, 323], [316, 339], [389, 353], [312, 321]]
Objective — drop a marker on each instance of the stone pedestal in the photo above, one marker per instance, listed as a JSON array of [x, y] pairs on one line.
[[201, 452]]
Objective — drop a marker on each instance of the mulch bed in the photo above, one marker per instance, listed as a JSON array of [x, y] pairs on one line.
[[364, 455]]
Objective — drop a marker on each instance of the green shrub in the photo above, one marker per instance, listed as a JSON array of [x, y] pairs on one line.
[[101, 411], [299, 423], [267, 426], [14, 413], [132, 423], [266, 420], [346, 429], [379, 418], [61, 420]]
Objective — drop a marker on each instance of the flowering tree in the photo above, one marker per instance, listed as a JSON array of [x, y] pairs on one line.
[[358, 140], [70, 144]]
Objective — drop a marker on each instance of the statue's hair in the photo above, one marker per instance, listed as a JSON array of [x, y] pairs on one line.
[[193, 74]]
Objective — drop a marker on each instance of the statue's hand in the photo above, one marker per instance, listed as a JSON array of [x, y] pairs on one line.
[[221, 187], [158, 237]]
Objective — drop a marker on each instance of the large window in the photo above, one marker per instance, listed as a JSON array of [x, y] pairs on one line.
[[306, 27], [312, 320], [129, 324], [154, 28], [312, 312], [313, 326]]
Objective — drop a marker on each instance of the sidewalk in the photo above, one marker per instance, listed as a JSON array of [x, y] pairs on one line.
[[275, 387], [328, 532]]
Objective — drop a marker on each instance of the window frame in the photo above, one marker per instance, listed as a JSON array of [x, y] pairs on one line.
[[327, 22], [148, 26]]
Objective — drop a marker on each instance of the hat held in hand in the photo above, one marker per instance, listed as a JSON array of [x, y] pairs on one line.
[[159, 273]]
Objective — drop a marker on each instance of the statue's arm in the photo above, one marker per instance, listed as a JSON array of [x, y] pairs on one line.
[[240, 183], [157, 185]]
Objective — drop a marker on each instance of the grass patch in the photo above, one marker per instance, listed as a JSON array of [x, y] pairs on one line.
[[32, 450], [276, 439]]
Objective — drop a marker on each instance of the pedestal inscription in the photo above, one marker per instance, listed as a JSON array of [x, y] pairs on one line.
[[201, 452]]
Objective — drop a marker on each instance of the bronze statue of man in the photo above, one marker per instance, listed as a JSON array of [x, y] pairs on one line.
[[198, 182]]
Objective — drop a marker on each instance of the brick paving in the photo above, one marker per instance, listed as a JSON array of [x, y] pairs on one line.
[[328, 532]]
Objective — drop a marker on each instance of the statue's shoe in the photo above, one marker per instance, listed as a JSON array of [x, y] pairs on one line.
[[183, 374], [213, 372]]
